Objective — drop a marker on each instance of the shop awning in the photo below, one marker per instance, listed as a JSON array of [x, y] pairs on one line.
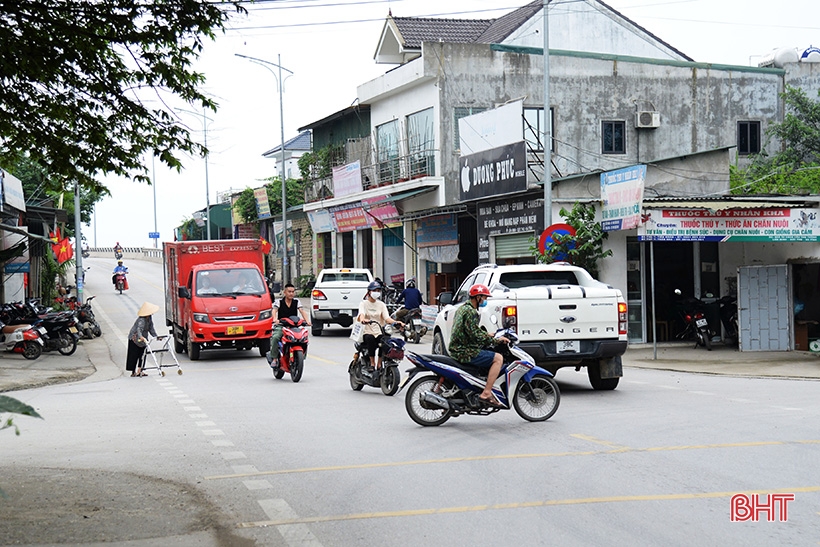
[[722, 204]]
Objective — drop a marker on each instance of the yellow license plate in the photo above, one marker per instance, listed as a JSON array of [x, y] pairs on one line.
[[72, 330], [236, 330]]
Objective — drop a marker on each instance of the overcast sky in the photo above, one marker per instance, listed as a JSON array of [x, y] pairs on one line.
[[329, 46]]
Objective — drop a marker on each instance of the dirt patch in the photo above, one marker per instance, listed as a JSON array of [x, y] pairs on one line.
[[72, 506]]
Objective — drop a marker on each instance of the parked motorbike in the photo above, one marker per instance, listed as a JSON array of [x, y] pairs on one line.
[[23, 339], [388, 376], [59, 329], [453, 388], [85, 318], [692, 312], [413, 329], [292, 349], [728, 316]]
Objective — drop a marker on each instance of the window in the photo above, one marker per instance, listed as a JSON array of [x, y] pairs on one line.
[[748, 138], [613, 137], [519, 280], [534, 128], [462, 112], [387, 148], [421, 143]]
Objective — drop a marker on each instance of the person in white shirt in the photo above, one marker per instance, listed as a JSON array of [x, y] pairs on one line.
[[373, 309]]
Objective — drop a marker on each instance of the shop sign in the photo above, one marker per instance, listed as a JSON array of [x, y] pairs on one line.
[[622, 196], [436, 231], [775, 224], [320, 221], [512, 216], [262, 205], [494, 172], [347, 179], [380, 214], [349, 219]]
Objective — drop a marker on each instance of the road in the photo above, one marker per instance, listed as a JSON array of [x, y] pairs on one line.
[[226, 455]]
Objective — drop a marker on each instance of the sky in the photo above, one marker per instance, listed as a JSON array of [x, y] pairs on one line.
[[329, 46]]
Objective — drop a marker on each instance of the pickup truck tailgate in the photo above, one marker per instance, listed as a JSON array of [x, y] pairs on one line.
[[566, 312], [342, 295]]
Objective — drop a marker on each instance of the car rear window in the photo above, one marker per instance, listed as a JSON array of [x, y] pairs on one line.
[[519, 280], [344, 276]]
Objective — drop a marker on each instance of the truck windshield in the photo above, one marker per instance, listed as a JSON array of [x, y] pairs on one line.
[[229, 282], [519, 280]]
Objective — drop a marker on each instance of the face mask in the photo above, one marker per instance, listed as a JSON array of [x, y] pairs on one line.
[[483, 304], [375, 295]]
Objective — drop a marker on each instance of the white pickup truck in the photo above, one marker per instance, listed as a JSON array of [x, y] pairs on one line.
[[336, 296], [562, 316]]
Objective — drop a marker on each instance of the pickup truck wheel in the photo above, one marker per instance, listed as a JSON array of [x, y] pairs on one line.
[[193, 349], [316, 329], [438, 344], [598, 383]]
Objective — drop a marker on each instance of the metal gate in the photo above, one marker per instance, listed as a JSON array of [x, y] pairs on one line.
[[764, 308]]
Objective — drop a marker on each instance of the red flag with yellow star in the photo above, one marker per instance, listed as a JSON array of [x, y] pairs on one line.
[[63, 250], [266, 245]]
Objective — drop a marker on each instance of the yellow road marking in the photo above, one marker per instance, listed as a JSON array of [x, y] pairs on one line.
[[614, 446], [500, 457], [519, 505]]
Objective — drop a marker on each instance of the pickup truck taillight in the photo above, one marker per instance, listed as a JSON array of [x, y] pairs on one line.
[[318, 295], [622, 319], [509, 318]]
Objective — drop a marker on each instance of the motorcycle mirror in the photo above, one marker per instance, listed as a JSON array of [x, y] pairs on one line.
[[677, 291], [493, 320]]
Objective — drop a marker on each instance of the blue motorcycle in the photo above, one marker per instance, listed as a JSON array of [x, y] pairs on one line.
[[453, 388]]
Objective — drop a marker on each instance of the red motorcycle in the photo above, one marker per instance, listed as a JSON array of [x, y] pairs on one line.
[[292, 348]]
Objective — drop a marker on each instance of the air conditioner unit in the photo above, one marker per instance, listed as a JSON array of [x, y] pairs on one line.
[[647, 119]]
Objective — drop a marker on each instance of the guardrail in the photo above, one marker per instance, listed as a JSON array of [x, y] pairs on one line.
[[141, 253]]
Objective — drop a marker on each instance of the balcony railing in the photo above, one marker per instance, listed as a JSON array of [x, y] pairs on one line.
[[384, 173]]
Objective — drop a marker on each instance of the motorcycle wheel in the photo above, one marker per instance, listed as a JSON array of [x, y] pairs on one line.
[[355, 383], [707, 340], [32, 350], [96, 330], [278, 373], [537, 400], [390, 379], [68, 344], [88, 333], [418, 410], [297, 366]]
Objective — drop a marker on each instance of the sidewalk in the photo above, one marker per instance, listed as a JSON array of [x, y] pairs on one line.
[[92, 358]]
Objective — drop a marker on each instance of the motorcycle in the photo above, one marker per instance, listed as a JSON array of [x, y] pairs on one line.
[[691, 311], [453, 388], [413, 329], [728, 316], [120, 282], [388, 377], [23, 339], [58, 330], [292, 349], [85, 317]]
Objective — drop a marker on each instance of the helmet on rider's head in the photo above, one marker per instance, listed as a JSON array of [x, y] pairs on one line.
[[479, 290], [374, 286], [411, 284], [119, 262]]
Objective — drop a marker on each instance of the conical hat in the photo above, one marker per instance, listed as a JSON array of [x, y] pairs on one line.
[[148, 309]]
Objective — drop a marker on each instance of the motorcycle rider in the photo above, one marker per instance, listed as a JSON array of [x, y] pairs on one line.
[[411, 298], [373, 309], [468, 341], [119, 269], [288, 306], [118, 250]]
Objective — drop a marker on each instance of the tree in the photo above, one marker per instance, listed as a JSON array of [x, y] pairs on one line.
[[795, 169], [75, 73], [245, 204], [585, 249]]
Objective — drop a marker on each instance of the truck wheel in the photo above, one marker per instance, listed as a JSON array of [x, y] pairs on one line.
[[193, 349], [598, 383], [438, 344], [264, 347], [316, 329], [179, 347]]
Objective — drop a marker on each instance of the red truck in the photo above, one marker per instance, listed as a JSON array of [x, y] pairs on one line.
[[215, 295]]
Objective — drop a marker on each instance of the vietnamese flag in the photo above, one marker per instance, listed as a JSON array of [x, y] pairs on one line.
[[63, 250], [266, 246]]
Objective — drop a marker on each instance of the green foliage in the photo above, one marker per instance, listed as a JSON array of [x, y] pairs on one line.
[[588, 240], [75, 73], [305, 285], [245, 204], [319, 164], [795, 169], [12, 405], [190, 230]]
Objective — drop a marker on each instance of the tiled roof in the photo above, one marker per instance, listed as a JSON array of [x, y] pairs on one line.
[[502, 27], [415, 30], [299, 142]]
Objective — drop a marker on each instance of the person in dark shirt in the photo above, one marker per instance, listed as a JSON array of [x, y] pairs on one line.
[[286, 307], [411, 298], [468, 340]]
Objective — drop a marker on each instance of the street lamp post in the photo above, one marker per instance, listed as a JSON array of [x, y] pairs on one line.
[[280, 83], [205, 120]]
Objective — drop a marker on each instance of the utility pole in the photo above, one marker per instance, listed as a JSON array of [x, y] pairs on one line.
[[78, 249], [547, 124]]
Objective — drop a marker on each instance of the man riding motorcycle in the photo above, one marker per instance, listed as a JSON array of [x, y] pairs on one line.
[[285, 307], [468, 341], [119, 269], [411, 298]]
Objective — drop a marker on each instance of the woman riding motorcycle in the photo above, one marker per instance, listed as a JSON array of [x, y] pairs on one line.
[[373, 309]]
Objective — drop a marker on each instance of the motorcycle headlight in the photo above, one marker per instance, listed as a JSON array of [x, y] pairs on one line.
[[388, 329], [265, 315], [201, 318]]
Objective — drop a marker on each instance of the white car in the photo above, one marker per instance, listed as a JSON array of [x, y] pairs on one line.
[[336, 296]]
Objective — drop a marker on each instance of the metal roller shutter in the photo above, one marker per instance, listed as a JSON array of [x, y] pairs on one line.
[[512, 246]]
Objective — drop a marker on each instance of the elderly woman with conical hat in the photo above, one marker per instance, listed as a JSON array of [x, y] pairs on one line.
[[138, 338]]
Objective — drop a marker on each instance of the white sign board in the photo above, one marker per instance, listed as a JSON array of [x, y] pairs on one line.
[[492, 128], [622, 197], [347, 179]]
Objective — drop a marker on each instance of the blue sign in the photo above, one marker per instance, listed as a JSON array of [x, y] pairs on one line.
[[153, 235], [17, 267]]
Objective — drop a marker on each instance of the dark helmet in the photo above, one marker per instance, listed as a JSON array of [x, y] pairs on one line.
[[479, 290], [374, 286], [119, 262]]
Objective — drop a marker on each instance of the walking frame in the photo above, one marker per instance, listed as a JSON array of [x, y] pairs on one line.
[[157, 348]]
